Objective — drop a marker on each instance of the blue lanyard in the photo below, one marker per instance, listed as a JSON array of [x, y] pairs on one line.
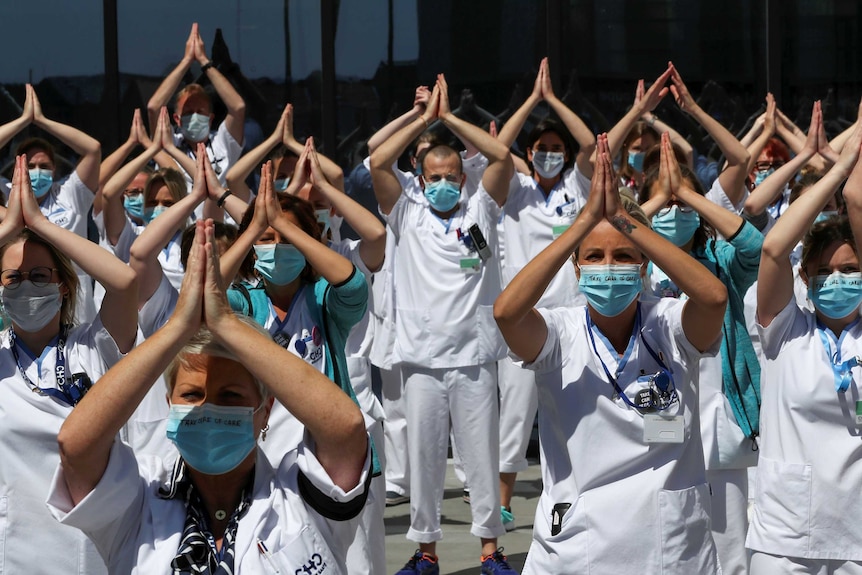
[[70, 394], [626, 355], [841, 370]]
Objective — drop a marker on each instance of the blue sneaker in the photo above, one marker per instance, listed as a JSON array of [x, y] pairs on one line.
[[507, 518], [422, 564], [496, 564]]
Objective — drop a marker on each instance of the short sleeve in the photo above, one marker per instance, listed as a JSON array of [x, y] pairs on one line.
[[780, 329]]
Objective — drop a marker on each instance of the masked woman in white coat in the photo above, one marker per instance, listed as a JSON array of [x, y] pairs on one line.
[[624, 486], [220, 507], [807, 507], [46, 365]]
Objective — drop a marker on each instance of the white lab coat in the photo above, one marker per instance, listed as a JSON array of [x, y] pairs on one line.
[[138, 532], [635, 507]]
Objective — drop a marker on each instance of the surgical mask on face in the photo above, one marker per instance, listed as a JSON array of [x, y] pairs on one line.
[[823, 216], [636, 161], [279, 264], [418, 170], [281, 184], [152, 213], [761, 175], [442, 195], [212, 439], [134, 205], [195, 127], [675, 225], [610, 289], [836, 295], [31, 307], [548, 164], [41, 181], [323, 220]]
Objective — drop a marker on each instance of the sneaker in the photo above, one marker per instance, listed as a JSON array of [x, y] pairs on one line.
[[496, 564], [394, 498], [465, 497], [422, 564], [507, 518]]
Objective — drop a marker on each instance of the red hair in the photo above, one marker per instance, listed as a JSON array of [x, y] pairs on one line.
[[775, 148]]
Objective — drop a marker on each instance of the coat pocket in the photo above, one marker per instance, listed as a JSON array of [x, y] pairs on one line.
[[782, 500], [686, 540]]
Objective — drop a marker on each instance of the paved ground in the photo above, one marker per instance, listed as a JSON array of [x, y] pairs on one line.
[[459, 551]]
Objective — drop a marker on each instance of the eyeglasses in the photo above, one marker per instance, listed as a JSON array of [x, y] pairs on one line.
[[133, 192], [682, 208], [40, 276], [763, 166]]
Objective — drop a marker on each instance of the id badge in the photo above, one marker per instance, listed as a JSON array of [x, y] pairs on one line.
[[663, 429], [471, 266], [559, 229], [859, 413]]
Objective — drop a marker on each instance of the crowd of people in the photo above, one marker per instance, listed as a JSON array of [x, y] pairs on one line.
[[192, 394]]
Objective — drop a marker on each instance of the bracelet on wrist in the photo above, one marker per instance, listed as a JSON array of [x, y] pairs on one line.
[[221, 200], [207, 66]]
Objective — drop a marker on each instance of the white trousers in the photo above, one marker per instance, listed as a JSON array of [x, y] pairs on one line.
[[467, 395], [366, 554], [519, 402], [397, 470], [766, 564], [729, 517]]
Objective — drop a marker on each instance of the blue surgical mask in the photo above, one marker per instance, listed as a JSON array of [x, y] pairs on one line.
[[636, 161], [443, 195], [41, 181], [280, 184], [761, 175], [279, 264], [823, 216], [212, 439], [152, 213], [836, 295], [548, 164], [676, 226], [323, 220], [195, 127], [610, 289], [134, 205]]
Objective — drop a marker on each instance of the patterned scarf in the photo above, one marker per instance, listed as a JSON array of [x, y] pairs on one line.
[[197, 551]]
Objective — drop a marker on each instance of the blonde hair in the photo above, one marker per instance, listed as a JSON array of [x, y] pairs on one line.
[[172, 179], [204, 344], [186, 93]]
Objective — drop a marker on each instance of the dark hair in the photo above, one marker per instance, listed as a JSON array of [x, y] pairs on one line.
[[640, 129], [40, 144], [426, 137], [221, 231], [822, 235], [704, 231], [442, 151], [308, 223], [803, 183], [551, 125], [65, 271]]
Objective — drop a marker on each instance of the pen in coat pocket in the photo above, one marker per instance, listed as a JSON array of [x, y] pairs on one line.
[[268, 556]]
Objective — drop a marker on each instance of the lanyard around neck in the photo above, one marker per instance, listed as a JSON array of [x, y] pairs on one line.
[[65, 393], [841, 370]]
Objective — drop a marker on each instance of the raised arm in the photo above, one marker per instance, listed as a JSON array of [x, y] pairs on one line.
[[333, 171], [170, 154], [579, 131], [387, 187], [114, 161], [169, 85], [86, 147], [500, 168], [112, 193], [420, 101], [775, 278], [764, 194], [118, 313], [10, 129], [235, 119], [732, 179], [231, 260], [144, 253], [371, 232], [795, 140], [648, 103], [249, 162], [522, 326], [767, 130], [513, 126]]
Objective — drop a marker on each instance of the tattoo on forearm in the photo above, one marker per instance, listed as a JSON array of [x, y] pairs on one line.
[[622, 224]]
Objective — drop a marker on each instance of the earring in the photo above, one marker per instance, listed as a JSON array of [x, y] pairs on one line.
[[263, 432]]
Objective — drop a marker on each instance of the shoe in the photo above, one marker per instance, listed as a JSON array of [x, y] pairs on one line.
[[394, 498], [496, 564], [422, 564], [465, 497], [507, 518]]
